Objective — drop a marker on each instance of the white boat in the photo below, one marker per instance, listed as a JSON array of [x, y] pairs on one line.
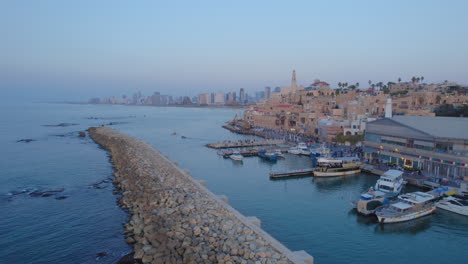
[[407, 207], [321, 151], [278, 153], [294, 150], [391, 182], [454, 205], [236, 156], [387, 186], [335, 167]]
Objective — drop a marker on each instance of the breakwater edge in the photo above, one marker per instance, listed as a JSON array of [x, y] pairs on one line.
[[175, 219]]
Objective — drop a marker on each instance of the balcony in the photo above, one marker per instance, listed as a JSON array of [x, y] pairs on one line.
[[417, 152]]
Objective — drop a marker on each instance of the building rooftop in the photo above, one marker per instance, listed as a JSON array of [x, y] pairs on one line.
[[437, 126]]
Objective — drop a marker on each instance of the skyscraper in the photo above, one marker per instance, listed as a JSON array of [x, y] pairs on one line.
[[267, 92], [241, 96]]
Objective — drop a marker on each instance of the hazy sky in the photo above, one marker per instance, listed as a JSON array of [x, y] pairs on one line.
[[77, 49]]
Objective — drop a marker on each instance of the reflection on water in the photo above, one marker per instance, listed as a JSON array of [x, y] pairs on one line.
[[333, 183], [411, 227]]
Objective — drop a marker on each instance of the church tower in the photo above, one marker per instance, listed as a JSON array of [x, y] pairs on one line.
[[293, 81]]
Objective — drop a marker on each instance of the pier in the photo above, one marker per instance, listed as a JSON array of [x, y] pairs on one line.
[[245, 143], [293, 173]]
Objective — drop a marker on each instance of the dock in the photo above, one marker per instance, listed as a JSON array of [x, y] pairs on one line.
[[293, 173], [245, 143]]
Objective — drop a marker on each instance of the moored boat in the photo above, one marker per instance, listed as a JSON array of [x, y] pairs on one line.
[[267, 155], [407, 207], [454, 205], [387, 186], [278, 153], [335, 167], [236, 156]]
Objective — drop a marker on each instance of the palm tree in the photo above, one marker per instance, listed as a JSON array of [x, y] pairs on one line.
[[357, 85], [422, 78], [339, 84], [399, 79], [413, 79], [370, 82], [373, 86], [418, 79]]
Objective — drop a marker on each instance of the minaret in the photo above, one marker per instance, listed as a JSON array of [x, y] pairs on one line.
[[293, 82]]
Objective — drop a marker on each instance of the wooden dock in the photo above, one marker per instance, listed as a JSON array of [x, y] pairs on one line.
[[245, 143], [293, 173]]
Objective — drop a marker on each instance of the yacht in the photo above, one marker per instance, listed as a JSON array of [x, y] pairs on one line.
[[236, 156], [407, 207], [454, 205], [335, 167], [387, 186]]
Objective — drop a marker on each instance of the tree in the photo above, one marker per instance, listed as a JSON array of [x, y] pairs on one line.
[[422, 78], [357, 85], [373, 86], [399, 79], [418, 79], [413, 79], [438, 98], [339, 84], [370, 82]]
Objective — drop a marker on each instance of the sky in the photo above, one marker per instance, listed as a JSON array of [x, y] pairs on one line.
[[74, 50]]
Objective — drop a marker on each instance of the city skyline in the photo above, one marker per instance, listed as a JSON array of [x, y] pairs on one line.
[[73, 50]]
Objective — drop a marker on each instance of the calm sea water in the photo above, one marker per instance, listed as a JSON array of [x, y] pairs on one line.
[[310, 214]]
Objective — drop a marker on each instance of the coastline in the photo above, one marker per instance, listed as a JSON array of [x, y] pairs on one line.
[[175, 219], [182, 106]]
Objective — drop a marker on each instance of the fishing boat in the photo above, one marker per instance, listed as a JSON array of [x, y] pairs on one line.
[[236, 156], [454, 205], [407, 207], [387, 186], [267, 155], [335, 167]]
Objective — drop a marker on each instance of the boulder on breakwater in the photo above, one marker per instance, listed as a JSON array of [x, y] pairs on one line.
[[174, 219]]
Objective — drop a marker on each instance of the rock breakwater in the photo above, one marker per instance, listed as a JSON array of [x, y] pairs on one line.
[[174, 219]]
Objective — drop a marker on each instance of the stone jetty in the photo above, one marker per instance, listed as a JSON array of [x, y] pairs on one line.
[[175, 219]]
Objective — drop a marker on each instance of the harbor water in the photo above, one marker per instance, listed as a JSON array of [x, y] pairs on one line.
[[85, 224]]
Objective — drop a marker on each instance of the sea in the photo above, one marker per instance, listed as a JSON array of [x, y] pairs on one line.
[[57, 203]]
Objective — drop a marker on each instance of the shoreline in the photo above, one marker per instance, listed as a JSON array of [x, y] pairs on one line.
[[182, 106], [173, 218]]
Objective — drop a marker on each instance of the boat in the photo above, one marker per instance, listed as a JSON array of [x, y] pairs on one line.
[[236, 156], [173, 133], [335, 167], [294, 150], [407, 207], [387, 186], [321, 151], [454, 205], [303, 149], [278, 153], [391, 182], [267, 155]]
